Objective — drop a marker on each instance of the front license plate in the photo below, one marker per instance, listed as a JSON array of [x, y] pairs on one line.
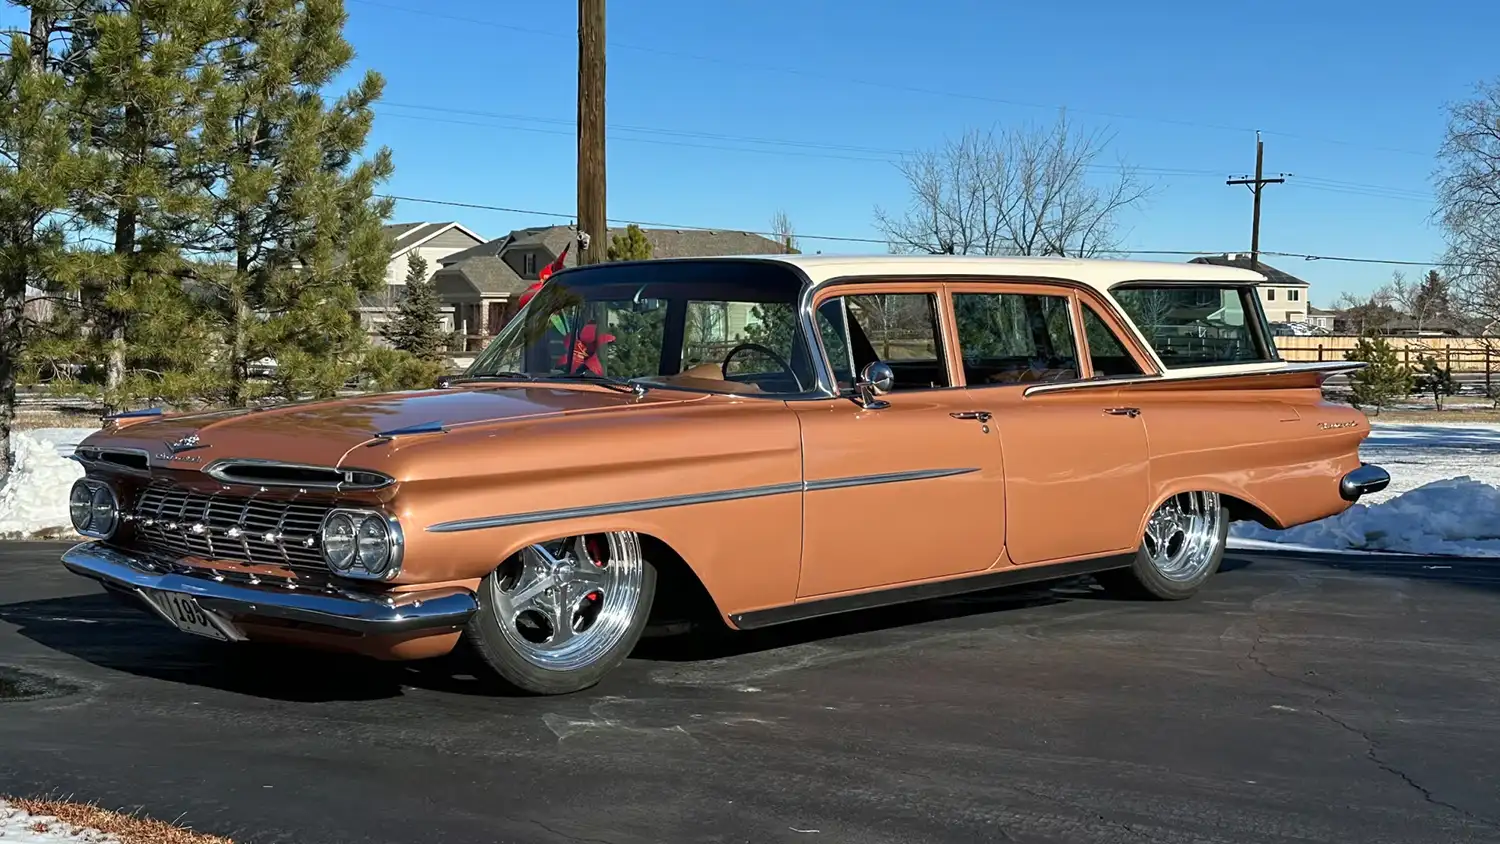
[[184, 612]]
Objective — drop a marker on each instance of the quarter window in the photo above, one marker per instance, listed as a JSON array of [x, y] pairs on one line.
[[1106, 353], [1015, 338], [1191, 325]]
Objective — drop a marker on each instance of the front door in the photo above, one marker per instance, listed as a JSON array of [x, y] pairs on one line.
[[1076, 463], [909, 492]]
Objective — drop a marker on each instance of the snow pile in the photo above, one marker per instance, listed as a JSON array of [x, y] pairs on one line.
[[35, 496], [1456, 517], [18, 827]]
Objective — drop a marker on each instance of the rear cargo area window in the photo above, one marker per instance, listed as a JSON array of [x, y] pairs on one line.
[[1192, 325]]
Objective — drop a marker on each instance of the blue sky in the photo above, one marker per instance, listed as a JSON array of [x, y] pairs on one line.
[[1349, 95]]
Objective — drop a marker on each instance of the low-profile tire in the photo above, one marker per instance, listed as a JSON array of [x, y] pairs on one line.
[[599, 585], [1182, 548]]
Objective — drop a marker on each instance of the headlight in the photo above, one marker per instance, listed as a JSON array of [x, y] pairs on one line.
[[363, 544], [93, 508]]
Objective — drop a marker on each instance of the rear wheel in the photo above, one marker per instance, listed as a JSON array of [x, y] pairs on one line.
[[559, 615], [1182, 548]]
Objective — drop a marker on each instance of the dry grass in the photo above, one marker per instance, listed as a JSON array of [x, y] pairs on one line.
[[1447, 415], [129, 829]]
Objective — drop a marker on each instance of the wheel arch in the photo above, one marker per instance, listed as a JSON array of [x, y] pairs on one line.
[[1241, 505]]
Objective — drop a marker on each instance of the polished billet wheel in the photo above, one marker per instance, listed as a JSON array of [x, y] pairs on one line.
[[558, 615], [1181, 549], [1182, 535]]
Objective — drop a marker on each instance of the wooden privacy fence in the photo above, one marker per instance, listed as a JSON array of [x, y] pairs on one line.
[[1460, 354]]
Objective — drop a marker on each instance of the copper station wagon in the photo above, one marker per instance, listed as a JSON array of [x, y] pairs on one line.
[[646, 438]]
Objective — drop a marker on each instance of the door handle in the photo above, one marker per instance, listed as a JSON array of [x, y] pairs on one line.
[[981, 415], [1132, 412]]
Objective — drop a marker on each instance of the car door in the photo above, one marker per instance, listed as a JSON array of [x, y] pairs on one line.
[[910, 491], [1076, 462]]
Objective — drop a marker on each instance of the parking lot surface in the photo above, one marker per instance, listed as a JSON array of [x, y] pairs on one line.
[[1295, 700]]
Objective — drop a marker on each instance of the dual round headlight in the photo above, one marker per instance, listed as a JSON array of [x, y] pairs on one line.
[[93, 508], [363, 544]]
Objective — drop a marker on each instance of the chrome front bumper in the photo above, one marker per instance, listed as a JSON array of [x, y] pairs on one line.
[[354, 612], [1368, 478]]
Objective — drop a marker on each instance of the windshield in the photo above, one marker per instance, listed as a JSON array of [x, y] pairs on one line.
[[713, 326], [1192, 325]]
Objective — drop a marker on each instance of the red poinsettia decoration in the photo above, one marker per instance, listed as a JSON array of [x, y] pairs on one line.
[[588, 346]]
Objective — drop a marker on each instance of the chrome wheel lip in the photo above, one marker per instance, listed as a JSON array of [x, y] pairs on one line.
[[556, 578], [1182, 535]]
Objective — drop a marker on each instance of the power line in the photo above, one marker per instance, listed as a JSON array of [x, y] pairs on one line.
[[910, 89], [531, 212]]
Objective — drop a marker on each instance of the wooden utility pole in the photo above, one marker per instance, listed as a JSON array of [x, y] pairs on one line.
[[591, 205], [1256, 184]]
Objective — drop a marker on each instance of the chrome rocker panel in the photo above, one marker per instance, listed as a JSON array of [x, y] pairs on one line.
[[403, 612], [1365, 480]]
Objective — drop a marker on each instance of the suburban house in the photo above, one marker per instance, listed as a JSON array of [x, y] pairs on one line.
[[483, 283], [1284, 296], [1321, 318], [434, 242]]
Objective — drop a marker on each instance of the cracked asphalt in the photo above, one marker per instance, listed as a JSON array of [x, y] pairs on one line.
[[1296, 700]]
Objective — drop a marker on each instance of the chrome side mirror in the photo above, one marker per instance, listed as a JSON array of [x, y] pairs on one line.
[[876, 380]]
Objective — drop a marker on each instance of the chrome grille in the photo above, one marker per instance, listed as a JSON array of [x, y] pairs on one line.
[[177, 522]]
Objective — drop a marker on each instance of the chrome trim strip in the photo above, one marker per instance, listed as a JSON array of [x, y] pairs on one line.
[[888, 478], [1106, 383], [132, 414], [398, 612], [689, 500]]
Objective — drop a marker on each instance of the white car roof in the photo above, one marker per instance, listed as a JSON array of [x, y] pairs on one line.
[[1098, 273]]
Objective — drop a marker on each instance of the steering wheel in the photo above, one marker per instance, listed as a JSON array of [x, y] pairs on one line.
[[785, 367]]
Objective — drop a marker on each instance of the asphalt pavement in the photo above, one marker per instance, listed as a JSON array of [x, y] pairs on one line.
[[1295, 700]]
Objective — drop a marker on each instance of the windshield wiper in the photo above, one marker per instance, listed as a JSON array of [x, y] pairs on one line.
[[496, 376], [620, 384]]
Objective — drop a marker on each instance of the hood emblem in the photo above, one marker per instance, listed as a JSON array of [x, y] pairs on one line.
[[175, 450]]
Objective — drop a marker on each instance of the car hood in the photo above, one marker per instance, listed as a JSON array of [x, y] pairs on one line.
[[322, 433]]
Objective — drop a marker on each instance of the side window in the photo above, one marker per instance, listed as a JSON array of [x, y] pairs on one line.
[[1015, 338], [899, 329], [1106, 352]]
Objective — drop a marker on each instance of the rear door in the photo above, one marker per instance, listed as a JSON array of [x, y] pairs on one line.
[[1076, 463]]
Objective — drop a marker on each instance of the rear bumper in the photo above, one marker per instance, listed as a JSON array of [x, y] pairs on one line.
[[1368, 478], [351, 612]]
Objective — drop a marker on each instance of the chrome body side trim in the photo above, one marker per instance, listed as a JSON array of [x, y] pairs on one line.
[[1365, 480], [402, 612], [691, 499], [1131, 380]]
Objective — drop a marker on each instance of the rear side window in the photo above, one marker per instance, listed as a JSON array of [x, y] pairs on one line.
[[1015, 338], [1198, 325]]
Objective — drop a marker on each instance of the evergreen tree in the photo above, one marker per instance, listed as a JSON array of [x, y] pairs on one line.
[[1437, 380], [141, 72], [636, 350], [292, 232], [1384, 379], [418, 326], [40, 172]]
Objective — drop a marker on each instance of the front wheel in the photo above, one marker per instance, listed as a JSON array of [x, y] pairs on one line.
[[559, 615], [1182, 548]]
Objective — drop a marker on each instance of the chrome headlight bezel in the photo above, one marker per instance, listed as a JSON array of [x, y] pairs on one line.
[[394, 546], [95, 488]]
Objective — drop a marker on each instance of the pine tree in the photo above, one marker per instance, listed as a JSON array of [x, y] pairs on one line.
[[293, 228], [418, 326], [39, 172], [636, 350], [630, 245], [1437, 380], [141, 72], [1384, 379]]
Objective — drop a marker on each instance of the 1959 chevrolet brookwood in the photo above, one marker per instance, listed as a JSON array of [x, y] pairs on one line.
[[648, 438]]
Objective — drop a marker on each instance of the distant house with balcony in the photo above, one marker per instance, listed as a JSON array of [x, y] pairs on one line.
[[483, 283], [1283, 296]]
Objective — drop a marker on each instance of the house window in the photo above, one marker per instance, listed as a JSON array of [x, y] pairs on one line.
[[528, 264], [1270, 295], [1292, 295]]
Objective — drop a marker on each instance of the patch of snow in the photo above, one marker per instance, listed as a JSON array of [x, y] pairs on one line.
[[35, 496], [18, 827], [1456, 517]]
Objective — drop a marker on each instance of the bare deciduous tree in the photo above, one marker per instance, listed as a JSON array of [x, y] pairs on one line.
[[781, 228], [1027, 191], [1468, 194], [1369, 312]]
